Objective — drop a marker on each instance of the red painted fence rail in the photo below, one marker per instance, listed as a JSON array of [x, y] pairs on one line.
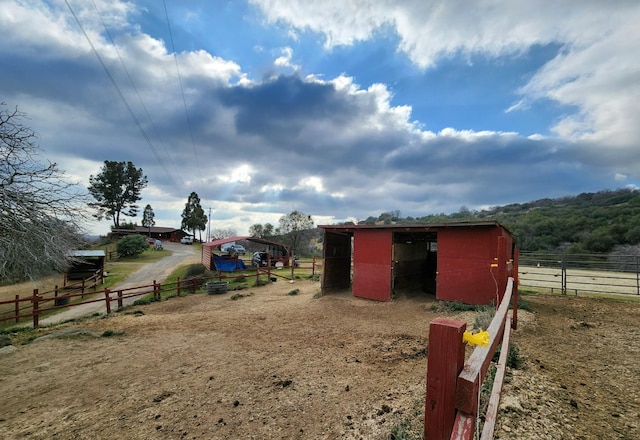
[[453, 385]]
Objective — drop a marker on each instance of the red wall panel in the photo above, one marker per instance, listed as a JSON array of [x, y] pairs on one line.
[[465, 274], [372, 264]]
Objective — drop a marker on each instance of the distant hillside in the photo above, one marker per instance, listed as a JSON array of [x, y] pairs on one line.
[[589, 222]]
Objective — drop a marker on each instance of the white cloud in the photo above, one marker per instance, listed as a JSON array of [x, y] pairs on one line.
[[324, 144], [285, 59], [597, 70]]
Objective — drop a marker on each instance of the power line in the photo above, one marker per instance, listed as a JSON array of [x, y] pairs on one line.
[[115, 85], [144, 107], [184, 101]]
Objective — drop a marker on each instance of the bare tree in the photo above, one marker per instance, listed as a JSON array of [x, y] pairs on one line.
[[218, 233], [40, 209]]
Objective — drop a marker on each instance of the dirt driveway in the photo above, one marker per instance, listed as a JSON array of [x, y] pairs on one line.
[[158, 270], [276, 365]]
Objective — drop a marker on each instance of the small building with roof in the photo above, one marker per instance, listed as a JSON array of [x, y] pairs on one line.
[[156, 232], [468, 262], [277, 253]]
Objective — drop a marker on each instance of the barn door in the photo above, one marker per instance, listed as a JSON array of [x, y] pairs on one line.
[[372, 264]]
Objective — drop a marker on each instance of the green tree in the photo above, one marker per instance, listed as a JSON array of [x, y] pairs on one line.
[[256, 230], [132, 245], [148, 218], [295, 227], [260, 231], [193, 217], [116, 189], [40, 208]]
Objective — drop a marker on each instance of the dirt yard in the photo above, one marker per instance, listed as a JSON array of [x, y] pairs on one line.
[[282, 366]]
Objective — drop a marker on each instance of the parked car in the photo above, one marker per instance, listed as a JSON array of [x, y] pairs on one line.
[[232, 248], [187, 239], [260, 259]]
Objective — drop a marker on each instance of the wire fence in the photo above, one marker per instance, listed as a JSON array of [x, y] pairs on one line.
[[576, 273]]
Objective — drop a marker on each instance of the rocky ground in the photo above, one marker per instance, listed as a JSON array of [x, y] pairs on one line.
[[281, 362]]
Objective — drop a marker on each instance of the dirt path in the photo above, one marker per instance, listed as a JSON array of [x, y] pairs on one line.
[[158, 270]]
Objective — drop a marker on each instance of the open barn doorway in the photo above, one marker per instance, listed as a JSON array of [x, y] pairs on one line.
[[415, 264]]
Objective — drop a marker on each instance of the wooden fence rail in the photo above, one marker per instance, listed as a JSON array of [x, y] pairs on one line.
[[453, 385], [38, 303]]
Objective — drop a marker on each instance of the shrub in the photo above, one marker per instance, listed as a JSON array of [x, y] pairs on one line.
[[194, 270], [132, 246], [484, 318], [293, 292]]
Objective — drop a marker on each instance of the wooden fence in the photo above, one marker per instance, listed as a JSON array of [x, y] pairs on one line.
[[38, 303], [453, 385]]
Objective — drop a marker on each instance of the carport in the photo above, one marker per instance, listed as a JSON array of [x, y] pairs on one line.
[[467, 262], [278, 252]]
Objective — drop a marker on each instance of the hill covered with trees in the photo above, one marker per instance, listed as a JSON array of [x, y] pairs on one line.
[[588, 222]]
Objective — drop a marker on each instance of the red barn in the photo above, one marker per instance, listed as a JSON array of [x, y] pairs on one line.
[[467, 262]]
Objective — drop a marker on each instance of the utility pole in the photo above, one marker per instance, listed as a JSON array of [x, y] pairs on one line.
[[209, 227]]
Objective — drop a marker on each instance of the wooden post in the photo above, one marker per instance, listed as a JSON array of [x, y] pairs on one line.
[[178, 286], [35, 308], [119, 299], [193, 285], [17, 308], [516, 282], [155, 290], [107, 298], [313, 267], [82, 291], [292, 263], [445, 361], [502, 269]]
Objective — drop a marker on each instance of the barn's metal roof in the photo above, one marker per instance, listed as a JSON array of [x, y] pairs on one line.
[[88, 253], [421, 227], [222, 241]]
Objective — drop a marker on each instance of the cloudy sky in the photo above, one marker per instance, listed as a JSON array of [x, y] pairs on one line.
[[339, 109]]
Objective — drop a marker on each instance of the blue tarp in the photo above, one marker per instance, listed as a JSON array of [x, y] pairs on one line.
[[228, 264]]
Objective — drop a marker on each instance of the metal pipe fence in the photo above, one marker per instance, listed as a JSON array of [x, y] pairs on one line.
[[575, 273]]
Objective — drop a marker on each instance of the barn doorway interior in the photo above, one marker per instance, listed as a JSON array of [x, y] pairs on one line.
[[415, 263]]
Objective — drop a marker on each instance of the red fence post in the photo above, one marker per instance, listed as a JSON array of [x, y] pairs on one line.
[[444, 362], [35, 308], [107, 298], [516, 282], [119, 299], [17, 308], [313, 267]]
